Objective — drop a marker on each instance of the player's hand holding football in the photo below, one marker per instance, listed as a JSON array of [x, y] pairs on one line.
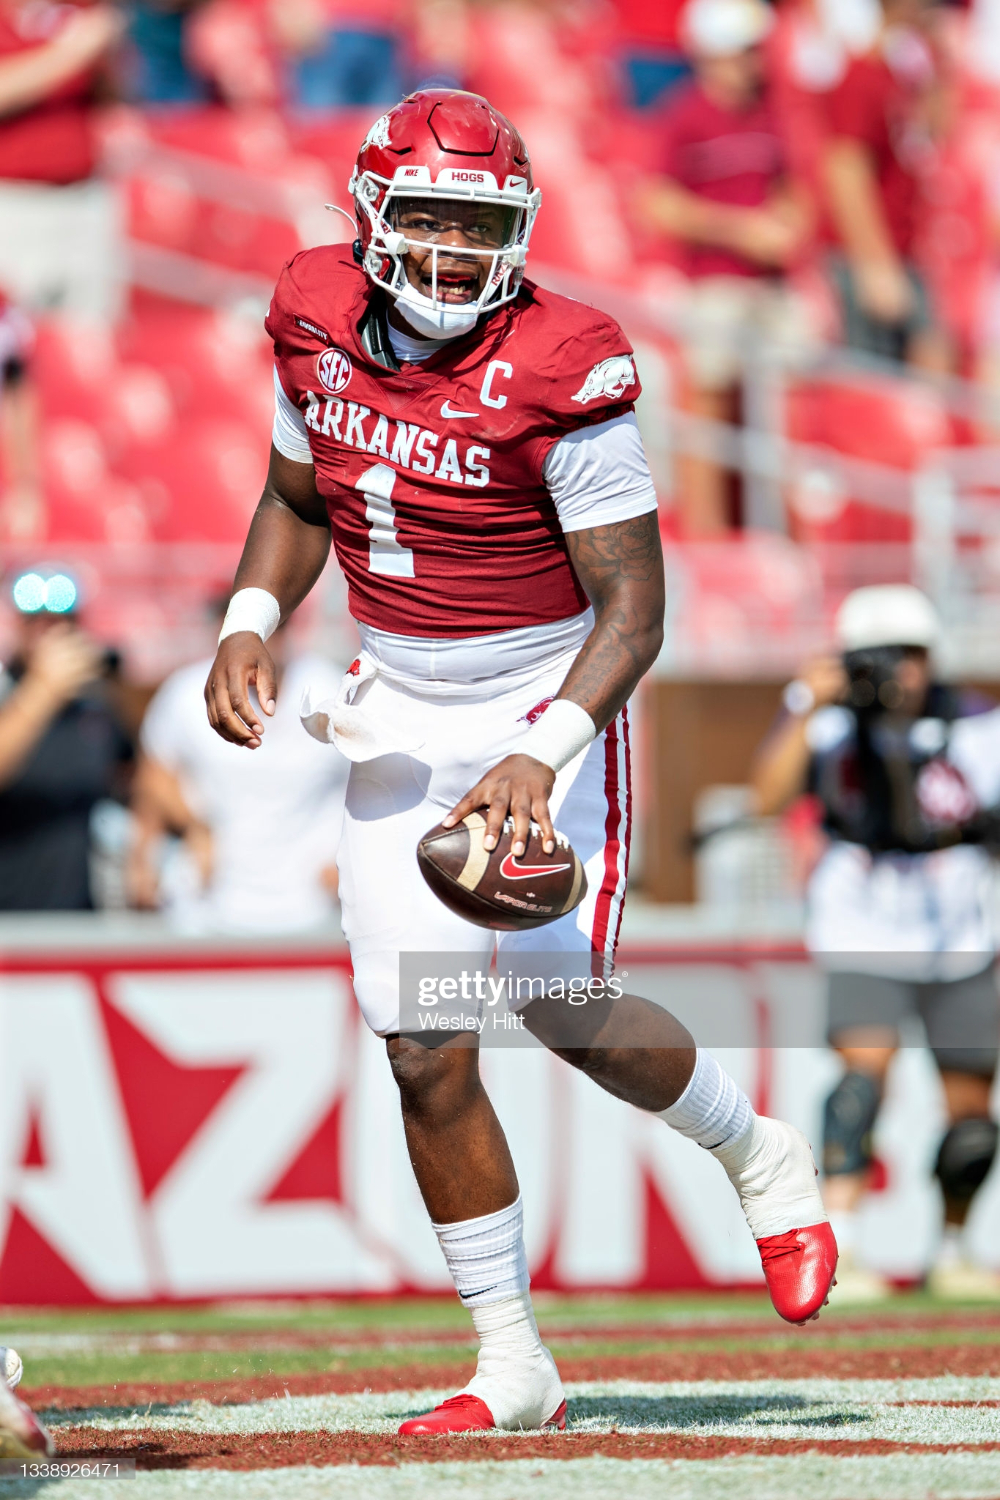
[[242, 659], [519, 786]]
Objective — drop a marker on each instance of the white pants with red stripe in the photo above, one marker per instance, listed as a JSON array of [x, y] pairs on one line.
[[459, 732]]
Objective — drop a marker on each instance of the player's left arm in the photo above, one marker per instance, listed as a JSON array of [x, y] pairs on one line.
[[621, 569]]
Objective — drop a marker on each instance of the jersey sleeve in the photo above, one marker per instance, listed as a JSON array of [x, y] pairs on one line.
[[291, 331], [598, 475], [856, 107], [288, 433], [587, 376]]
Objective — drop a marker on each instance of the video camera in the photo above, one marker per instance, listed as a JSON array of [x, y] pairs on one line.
[[873, 685]]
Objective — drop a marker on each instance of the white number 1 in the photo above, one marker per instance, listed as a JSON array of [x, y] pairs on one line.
[[385, 555]]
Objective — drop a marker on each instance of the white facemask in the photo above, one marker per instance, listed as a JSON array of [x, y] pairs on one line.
[[449, 321]]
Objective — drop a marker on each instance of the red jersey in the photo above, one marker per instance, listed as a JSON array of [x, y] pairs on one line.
[[50, 141], [432, 472], [736, 158], [877, 106], [651, 24]]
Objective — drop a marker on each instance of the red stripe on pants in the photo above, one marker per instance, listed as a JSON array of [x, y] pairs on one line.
[[612, 843]]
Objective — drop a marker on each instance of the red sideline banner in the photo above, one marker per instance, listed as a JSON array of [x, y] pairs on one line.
[[176, 1126]]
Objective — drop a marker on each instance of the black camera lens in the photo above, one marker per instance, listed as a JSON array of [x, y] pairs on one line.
[[872, 677]]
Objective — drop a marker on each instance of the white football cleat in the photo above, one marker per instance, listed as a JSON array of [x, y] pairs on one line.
[[22, 1436], [11, 1367]]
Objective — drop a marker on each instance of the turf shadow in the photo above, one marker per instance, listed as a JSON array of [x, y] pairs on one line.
[[680, 1412]]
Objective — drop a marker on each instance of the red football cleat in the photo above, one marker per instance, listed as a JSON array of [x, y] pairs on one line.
[[467, 1413], [799, 1267]]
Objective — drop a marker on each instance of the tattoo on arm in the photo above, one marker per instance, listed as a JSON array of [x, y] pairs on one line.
[[621, 570]]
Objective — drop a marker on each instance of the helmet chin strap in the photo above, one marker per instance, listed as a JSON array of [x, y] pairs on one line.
[[448, 321]]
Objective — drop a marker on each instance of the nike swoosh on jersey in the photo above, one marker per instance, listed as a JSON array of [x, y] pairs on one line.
[[446, 411], [511, 870]]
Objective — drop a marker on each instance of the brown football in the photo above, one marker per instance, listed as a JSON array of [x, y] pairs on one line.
[[493, 889]]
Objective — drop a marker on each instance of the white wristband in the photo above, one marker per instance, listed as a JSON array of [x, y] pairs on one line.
[[251, 609], [562, 732]]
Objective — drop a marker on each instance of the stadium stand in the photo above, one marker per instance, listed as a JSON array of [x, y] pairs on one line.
[[154, 432]]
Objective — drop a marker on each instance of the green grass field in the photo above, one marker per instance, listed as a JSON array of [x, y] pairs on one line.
[[707, 1396]]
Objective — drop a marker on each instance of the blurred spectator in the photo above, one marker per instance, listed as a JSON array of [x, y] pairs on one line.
[[341, 52], [58, 246], [259, 829], [824, 35], [811, 50], [22, 506], [880, 142], [228, 43], [442, 43], [649, 50], [62, 750], [159, 70], [726, 197], [907, 771]]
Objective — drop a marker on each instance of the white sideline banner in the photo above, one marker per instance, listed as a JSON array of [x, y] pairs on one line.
[[187, 1125]]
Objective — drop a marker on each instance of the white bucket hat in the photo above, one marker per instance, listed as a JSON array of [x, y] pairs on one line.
[[890, 614], [722, 28]]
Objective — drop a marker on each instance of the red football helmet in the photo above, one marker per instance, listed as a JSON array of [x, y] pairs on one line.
[[444, 144]]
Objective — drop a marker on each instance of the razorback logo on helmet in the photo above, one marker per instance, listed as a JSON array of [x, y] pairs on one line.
[[334, 370], [379, 133], [608, 378]]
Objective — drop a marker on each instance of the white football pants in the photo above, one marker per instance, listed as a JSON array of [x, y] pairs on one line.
[[393, 800]]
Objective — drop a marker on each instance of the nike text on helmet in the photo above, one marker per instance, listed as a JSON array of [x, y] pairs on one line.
[[443, 144]]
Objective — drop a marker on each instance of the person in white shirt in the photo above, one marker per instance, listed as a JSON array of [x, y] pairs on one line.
[[907, 771], [259, 832]]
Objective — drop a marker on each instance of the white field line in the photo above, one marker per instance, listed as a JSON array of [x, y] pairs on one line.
[[948, 1476], [819, 1410]]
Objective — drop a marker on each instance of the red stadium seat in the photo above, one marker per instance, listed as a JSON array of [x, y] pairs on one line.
[[887, 422], [85, 502], [214, 480]]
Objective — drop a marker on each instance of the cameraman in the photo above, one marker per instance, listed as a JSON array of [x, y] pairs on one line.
[[907, 772], [62, 749]]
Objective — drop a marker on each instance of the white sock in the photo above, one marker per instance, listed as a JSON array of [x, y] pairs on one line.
[[486, 1255], [515, 1374], [712, 1110], [768, 1162]]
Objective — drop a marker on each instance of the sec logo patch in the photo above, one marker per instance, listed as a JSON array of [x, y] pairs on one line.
[[334, 370]]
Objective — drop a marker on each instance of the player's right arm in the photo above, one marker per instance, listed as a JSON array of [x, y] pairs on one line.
[[285, 552]]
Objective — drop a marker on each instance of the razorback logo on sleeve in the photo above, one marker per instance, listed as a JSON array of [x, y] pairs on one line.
[[608, 378], [314, 329]]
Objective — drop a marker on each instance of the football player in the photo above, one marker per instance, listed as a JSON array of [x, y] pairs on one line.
[[470, 442], [23, 1439]]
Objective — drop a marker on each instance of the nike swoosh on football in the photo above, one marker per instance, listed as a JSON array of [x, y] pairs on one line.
[[446, 411], [511, 870]]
